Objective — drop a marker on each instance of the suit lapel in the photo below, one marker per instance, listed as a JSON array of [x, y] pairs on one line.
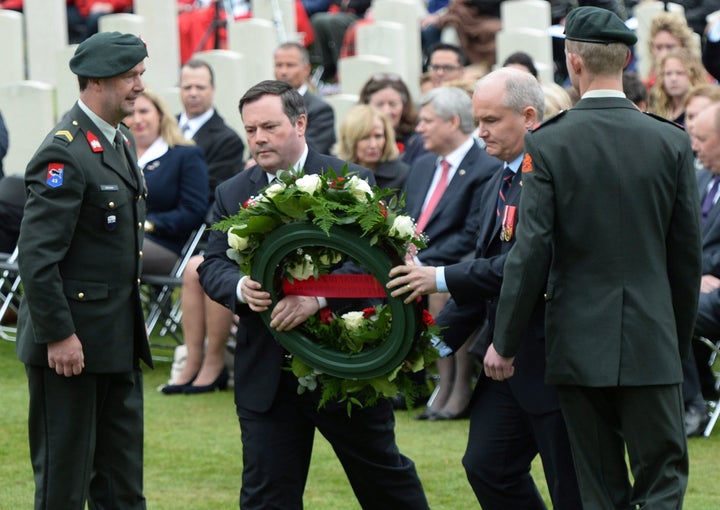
[[423, 177]]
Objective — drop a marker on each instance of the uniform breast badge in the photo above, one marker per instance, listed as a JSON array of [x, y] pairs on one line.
[[508, 223]]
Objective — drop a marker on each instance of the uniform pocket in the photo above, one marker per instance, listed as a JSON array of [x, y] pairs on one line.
[[78, 290]]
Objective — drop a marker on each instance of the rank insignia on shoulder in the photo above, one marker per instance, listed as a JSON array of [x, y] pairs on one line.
[[64, 133], [527, 163], [93, 141], [54, 177]]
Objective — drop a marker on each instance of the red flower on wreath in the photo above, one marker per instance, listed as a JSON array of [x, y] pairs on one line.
[[337, 183], [368, 312], [326, 315], [427, 319], [383, 209]]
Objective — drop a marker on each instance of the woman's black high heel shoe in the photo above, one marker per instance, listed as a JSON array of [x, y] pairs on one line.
[[220, 383], [175, 389]]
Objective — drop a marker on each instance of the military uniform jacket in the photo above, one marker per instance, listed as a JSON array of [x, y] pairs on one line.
[[79, 249], [610, 231]]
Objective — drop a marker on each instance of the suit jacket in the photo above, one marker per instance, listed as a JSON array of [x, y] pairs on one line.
[[320, 132], [79, 249], [611, 233], [711, 228], [475, 287], [259, 359], [177, 202], [391, 174], [452, 228], [223, 150]]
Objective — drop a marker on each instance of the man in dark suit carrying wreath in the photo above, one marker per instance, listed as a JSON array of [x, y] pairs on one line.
[[277, 423]]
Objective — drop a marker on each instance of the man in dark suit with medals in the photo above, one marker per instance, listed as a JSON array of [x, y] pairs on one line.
[[611, 237], [510, 421], [81, 331], [277, 423]]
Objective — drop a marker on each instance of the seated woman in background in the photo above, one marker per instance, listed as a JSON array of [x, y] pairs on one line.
[[368, 139], [177, 182], [668, 31], [387, 93], [678, 71]]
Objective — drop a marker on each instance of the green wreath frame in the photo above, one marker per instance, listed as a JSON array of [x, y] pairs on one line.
[[375, 362]]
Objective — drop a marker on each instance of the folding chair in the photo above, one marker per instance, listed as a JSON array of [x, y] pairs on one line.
[[161, 302], [714, 406], [10, 293]]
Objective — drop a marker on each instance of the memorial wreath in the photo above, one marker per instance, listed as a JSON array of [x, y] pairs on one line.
[[319, 235]]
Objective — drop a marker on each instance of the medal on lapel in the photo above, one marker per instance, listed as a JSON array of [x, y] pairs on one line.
[[508, 223]]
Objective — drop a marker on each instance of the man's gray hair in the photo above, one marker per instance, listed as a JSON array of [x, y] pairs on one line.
[[449, 102], [521, 90]]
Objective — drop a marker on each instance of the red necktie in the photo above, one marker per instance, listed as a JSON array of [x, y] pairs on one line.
[[435, 197]]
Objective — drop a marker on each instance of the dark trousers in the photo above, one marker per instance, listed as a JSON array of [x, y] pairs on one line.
[[277, 447], [503, 441], [86, 440], [648, 421]]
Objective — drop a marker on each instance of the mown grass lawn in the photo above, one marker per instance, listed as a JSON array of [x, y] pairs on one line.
[[193, 456]]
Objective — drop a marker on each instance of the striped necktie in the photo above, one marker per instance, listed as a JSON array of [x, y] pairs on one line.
[[507, 176]]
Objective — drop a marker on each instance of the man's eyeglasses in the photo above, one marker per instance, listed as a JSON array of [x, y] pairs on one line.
[[444, 68]]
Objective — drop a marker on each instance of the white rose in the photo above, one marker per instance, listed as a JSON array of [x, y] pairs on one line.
[[274, 189], [309, 183], [359, 188], [303, 269], [237, 242], [353, 320], [403, 227]]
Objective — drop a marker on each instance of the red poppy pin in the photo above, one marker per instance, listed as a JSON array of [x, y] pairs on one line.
[[527, 164]]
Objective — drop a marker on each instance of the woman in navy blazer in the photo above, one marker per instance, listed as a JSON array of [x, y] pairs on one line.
[[176, 177]]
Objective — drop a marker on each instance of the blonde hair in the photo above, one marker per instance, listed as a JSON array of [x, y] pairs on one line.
[[660, 101], [673, 24], [556, 99], [169, 130], [357, 124], [708, 90]]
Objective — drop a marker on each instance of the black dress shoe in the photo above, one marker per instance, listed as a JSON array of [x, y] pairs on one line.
[[696, 420], [175, 389], [220, 383]]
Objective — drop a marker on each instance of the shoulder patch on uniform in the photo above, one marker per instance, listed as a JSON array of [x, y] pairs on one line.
[[64, 133], [668, 121], [550, 120], [55, 175]]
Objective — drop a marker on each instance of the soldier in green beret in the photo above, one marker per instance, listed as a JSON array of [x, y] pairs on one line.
[[610, 239], [81, 330]]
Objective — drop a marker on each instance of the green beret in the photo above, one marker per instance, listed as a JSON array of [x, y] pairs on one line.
[[597, 25], [107, 54]]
